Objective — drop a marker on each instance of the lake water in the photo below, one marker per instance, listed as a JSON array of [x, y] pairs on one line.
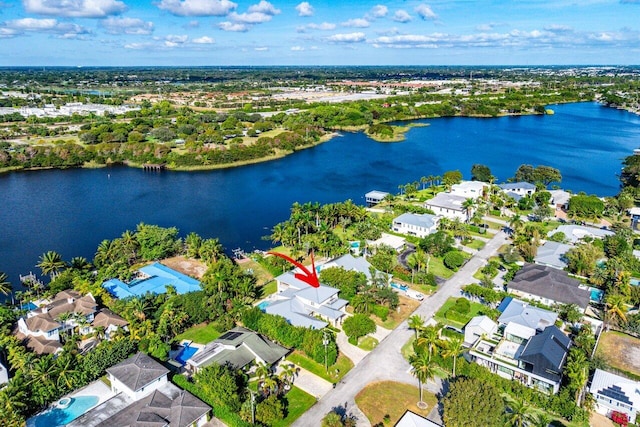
[[71, 211]]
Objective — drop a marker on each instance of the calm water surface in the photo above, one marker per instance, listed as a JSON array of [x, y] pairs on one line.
[[72, 211]]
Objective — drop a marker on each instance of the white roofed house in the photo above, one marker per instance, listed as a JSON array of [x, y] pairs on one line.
[[469, 189], [518, 189], [448, 205], [560, 199], [614, 393], [419, 225], [478, 327], [306, 306], [374, 197]]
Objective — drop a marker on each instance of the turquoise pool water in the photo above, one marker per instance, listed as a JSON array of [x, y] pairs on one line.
[[263, 305], [355, 244], [59, 417], [596, 294], [401, 287], [634, 282], [185, 354]]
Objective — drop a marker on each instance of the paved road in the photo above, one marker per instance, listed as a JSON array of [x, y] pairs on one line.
[[385, 362]]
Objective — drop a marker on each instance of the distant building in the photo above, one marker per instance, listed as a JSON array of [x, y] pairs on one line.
[[634, 213], [374, 197], [153, 278], [238, 347], [560, 199], [419, 225], [575, 233], [411, 419], [615, 393], [552, 254], [448, 205], [521, 189], [350, 263], [548, 286], [396, 242], [469, 189]]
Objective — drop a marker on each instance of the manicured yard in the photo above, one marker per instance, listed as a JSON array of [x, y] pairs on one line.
[[621, 352], [476, 244], [262, 274], [269, 288], [336, 371], [367, 343], [201, 334], [298, 403], [390, 398], [475, 309], [437, 267]]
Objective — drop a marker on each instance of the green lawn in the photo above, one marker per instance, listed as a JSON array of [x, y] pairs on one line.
[[336, 371], [201, 334], [388, 399], [407, 349], [437, 267], [367, 343], [298, 403], [476, 244], [476, 308], [269, 288]]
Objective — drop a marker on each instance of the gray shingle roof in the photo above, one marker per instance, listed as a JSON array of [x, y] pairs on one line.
[[547, 282], [553, 254], [547, 352], [419, 220], [517, 185], [138, 371], [526, 315], [447, 201]]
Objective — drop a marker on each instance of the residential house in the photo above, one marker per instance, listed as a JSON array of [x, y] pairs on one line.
[[40, 329], [109, 321], [306, 306], [153, 278], [548, 286], [517, 353], [522, 313], [396, 242], [350, 263], [517, 190], [575, 233], [448, 205], [374, 197], [144, 397], [634, 213], [478, 327], [419, 225], [560, 199], [552, 254], [469, 189], [411, 419], [238, 347], [615, 393]]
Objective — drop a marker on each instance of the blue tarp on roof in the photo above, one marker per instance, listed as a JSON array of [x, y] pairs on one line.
[[160, 276], [505, 302]]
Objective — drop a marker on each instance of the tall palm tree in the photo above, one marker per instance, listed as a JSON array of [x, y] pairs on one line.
[[519, 410], [51, 263], [262, 371], [423, 370], [540, 419], [615, 308], [453, 348], [288, 373], [416, 322], [5, 285], [468, 205], [429, 337], [79, 263]]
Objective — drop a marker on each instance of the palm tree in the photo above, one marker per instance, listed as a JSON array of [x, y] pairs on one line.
[[416, 323], [51, 263], [288, 373], [540, 419], [516, 223], [262, 371], [5, 285], [578, 372], [468, 205], [79, 263], [453, 348], [615, 308], [429, 337], [423, 370], [519, 410]]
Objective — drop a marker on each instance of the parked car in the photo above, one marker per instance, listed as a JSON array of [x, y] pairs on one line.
[[415, 295]]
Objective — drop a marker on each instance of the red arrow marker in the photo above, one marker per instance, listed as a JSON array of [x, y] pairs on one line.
[[309, 277]]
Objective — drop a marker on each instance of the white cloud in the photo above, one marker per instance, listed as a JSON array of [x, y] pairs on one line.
[[325, 26], [402, 16], [250, 18], [379, 11], [261, 48], [425, 12], [203, 40], [53, 26], [486, 27], [197, 7], [172, 41], [75, 8], [127, 26], [297, 48], [304, 9], [235, 27], [558, 28], [264, 7], [347, 38], [358, 23]]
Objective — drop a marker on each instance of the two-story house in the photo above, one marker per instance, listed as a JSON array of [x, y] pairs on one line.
[[419, 225]]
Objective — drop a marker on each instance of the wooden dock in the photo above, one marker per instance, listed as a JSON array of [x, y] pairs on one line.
[[154, 167]]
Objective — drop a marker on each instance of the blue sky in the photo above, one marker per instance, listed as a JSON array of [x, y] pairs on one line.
[[285, 32]]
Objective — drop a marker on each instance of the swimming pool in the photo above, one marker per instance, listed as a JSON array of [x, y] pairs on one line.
[[354, 245], [596, 294], [185, 354], [401, 287], [634, 281], [59, 417], [263, 305]]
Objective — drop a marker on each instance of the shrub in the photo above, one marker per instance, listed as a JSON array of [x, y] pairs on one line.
[[381, 311], [456, 316], [453, 259], [462, 306], [358, 325]]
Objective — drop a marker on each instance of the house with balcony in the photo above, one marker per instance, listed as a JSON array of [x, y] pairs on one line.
[[448, 205], [518, 190], [520, 353], [304, 305], [614, 393], [419, 225], [374, 197]]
